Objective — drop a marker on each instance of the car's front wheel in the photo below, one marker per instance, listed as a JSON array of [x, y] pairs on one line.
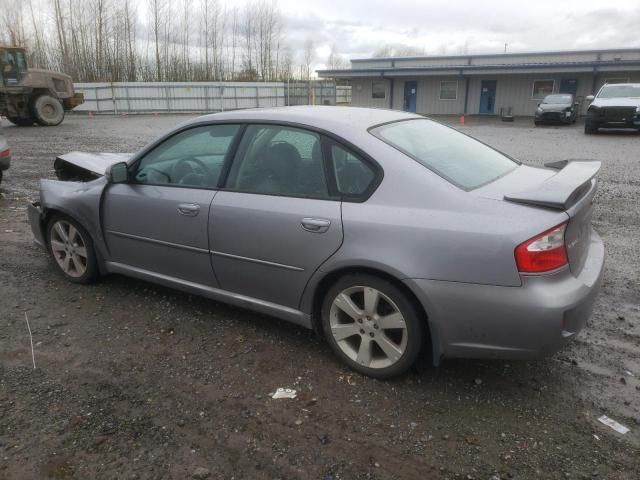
[[72, 249], [372, 325]]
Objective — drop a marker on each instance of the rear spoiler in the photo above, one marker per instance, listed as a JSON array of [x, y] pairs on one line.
[[563, 189]]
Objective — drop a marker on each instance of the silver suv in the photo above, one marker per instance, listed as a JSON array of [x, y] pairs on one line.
[[615, 106]]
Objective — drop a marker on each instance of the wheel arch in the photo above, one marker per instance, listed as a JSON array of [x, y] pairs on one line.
[[50, 212], [323, 282]]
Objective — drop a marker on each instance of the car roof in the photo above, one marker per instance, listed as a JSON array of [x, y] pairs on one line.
[[330, 118]]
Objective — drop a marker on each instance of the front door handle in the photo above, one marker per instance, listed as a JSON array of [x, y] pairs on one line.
[[189, 209], [315, 225]]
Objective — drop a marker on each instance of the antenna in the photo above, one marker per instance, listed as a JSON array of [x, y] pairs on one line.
[[505, 47]]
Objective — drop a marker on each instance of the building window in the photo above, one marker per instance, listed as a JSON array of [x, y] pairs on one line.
[[378, 90], [616, 80], [542, 88], [449, 90]]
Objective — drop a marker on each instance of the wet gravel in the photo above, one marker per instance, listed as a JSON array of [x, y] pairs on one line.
[[135, 381]]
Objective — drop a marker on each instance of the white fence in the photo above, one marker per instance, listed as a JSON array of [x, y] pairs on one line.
[[148, 97]]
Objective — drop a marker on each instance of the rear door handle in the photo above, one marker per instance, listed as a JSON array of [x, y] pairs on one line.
[[315, 225], [189, 209]]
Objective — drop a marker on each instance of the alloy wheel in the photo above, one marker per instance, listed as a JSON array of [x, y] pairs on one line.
[[368, 327], [69, 248]]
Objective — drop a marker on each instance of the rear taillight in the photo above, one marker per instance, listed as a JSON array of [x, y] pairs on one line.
[[544, 252], [5, 153]]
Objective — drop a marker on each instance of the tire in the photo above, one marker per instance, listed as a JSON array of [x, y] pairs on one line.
[[48, 111], [388, 352], [537, 123], [66, 248], [590, 129], [21, 121]]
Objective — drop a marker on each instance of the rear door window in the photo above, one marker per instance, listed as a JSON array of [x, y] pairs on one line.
[[353, 175], [458, 158], [279, 160]]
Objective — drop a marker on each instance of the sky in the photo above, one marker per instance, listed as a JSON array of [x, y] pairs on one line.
[[358, 28]]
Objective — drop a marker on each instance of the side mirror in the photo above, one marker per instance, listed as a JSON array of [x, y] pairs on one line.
[[589, 98], [118, 173]]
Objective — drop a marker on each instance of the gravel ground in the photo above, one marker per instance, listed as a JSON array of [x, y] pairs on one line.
[[135, 381]]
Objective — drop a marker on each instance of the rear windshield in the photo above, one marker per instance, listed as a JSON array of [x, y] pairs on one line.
[[458, 158]]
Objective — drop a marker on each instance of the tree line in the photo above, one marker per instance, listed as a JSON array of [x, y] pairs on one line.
[[158, 40]]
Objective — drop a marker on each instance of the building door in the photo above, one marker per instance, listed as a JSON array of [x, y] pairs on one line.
[[410, 89], [569, 85], [488, 97]]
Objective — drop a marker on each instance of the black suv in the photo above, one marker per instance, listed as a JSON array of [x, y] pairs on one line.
[[615, 106]]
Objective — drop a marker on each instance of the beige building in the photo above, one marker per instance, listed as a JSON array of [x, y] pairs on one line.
[[502, 84]]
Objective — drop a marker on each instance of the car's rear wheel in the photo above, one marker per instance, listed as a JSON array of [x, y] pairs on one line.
[[72, 249], [22, 121], [372, 325], [48, 111]]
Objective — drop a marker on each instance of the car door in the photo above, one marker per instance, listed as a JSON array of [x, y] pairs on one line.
[[158, 220], [276, 221]]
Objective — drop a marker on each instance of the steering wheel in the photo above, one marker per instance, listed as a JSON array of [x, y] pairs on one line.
[[183, 167]]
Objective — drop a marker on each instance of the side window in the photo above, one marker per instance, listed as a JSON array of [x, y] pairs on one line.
[[279, 160], [192, 158], [353, 175]]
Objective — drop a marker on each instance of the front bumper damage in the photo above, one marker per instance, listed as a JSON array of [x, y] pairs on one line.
[[34, 212]]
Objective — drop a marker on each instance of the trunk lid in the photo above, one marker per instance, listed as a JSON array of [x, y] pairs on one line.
[[569, 186]]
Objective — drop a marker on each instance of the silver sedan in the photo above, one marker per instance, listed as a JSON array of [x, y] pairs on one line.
[[389, 233]]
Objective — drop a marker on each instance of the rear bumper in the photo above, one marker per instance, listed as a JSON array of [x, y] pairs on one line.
[[72, 102], [34, 212], [530, 321]]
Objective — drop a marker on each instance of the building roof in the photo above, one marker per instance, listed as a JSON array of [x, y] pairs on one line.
[[527, 62], [510, 54]]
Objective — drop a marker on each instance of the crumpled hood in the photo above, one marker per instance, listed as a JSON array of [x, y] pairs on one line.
[[616, 102], [95, 163]]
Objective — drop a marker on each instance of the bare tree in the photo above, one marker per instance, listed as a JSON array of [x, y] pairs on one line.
[[157, 9], [335, 60], [309, 55]]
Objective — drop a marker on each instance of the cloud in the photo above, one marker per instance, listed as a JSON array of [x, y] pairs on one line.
[[360, 27]]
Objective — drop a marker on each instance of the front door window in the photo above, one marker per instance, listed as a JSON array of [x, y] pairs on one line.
[[191, 158]]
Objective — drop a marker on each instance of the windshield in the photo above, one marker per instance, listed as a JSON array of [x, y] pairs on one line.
[[555, 99], [458, 158], [619, 91]]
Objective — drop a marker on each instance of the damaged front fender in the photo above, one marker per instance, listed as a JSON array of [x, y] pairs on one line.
[[78, 200]]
